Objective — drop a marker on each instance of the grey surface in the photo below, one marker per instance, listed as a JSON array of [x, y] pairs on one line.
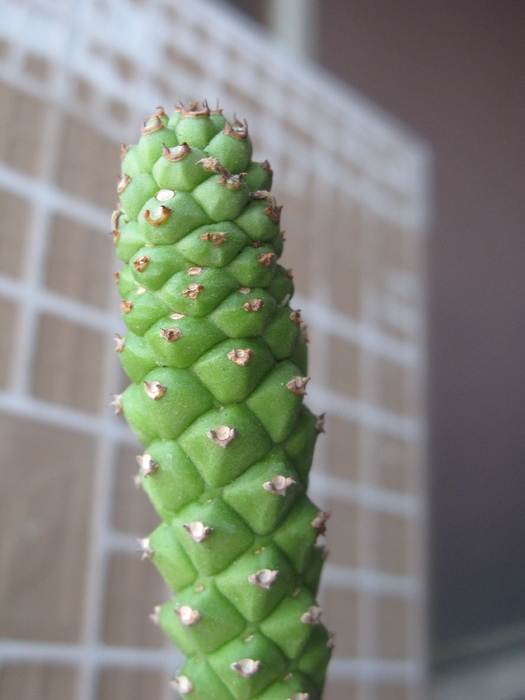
[[500, 677]]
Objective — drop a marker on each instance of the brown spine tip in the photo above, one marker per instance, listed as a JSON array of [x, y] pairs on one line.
[[240, 356], [140, 264], [238, 131], [126, 306], [117, 404], [296, 316], [263, 578], [254, 305], [120, 342], [187, 615], [124, 148], [198, 531], [147, 465], [192, 291], [211, 164], [319, 422], [216, 239], [319, 522], [266, 259], [182, 685], [170, 334], [157, 216], [194, 111], [115, 217], [222, 435], [272, 210], [155, 615], [145, 548], [298, 384], [246, 667], [116, 235], [176, 153], [154, 123], [278, 485], [312, 616], [265, 165], [154, 389], [123, 182]]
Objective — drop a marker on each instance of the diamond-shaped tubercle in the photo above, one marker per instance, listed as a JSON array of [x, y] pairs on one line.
[[277, 400], [248, 665], [232, 369], [265, 492], [169, 477], [257, 581], [190, 619], [169, 557], [223, 443], [212, 534]]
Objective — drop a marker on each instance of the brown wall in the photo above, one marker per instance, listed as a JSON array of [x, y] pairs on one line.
[[455, 72]]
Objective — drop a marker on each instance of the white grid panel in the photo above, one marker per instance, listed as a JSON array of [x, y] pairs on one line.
[[359, 153]]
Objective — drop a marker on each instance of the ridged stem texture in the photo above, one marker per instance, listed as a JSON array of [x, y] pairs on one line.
[[217, 360]]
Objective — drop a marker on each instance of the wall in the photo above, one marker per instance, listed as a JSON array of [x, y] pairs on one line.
[[455, 73]]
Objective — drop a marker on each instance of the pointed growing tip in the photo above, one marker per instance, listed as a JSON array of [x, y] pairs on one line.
[[222, 435], [198, 531], [187, 615], [147, 465], [246, 667], [117, 403], [145, 548], [240, 356], [120, 342], [141, 263], [155, 615], [298, 384], [296, 316], [154, 123], [263, 578], [216, 238], [266, 259], [319, 522], [278, 485], [239, 130], [254, 304], [126, 306], [157, 216], [312, 616], [182, 685], [155, 390], [193, 290], [170, 334], [176, 153]]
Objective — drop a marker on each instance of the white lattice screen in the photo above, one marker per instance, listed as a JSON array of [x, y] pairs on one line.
[[76, 78]]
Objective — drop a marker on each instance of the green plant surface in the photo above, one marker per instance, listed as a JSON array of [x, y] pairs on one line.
[[217, 359]]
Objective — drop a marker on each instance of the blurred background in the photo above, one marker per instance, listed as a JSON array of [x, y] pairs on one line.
[[395, 131]]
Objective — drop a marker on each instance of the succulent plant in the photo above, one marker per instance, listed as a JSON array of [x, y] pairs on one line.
[[218, 364]]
